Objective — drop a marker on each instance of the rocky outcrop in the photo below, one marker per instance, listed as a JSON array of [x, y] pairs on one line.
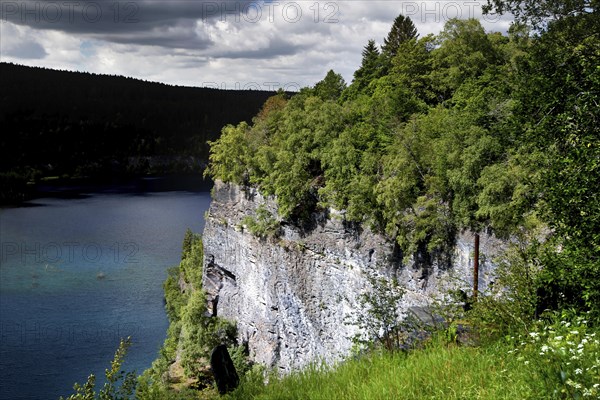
[[291, 295]]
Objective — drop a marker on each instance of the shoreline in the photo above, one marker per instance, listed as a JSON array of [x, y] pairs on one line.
[[74, 188]]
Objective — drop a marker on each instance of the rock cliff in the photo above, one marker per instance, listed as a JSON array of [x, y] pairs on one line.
[[290, 295]]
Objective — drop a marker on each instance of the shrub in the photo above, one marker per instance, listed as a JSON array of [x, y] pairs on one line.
[[119, 384], [264, 225], [201, 333], [508, 307], [378, 316], [563, 357]]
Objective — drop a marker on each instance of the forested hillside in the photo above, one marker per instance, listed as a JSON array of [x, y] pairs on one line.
[[440, 134], [59, 123]]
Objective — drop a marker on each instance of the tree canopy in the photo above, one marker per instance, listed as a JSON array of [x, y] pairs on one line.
[[539, 13], [464, 130]]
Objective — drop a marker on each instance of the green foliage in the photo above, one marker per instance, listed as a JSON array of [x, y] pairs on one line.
[[562, 127], [465, 51], [192, 334], [562, 356], [186, 247], [153, 383], [507, 197], [557, 359], [331, 87], [174, 299], [403, 30], [436, 372], [379, 318], [370, 68], [239, 356], [264, 225], [200, 332], [569, 278], [191, 266], [465, 130], [119, 384], [229, 155], [509, 305], [412, 67], [539, 13]]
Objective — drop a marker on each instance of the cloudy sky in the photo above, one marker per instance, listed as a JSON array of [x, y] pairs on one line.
[[226, 44]]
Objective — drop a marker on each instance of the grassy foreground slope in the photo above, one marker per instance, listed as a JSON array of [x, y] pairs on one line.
[[559, 358], [438, 372]]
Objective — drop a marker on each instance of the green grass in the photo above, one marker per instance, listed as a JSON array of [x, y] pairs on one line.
[[437, 372]]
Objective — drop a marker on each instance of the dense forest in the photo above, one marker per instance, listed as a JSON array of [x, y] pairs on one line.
[[60, 123], [464, 130]]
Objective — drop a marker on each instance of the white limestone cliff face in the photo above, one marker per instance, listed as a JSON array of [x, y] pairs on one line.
[[290, 295]]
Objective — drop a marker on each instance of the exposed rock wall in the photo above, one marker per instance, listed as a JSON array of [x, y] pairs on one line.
[[290, 295]]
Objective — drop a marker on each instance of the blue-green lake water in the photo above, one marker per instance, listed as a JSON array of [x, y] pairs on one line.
[[78, 274]]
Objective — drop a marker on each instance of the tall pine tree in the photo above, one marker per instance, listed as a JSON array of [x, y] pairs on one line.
[[370, 68], [402, 31]]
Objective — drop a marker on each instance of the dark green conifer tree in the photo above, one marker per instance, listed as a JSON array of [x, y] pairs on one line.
[[370, 68], [402, 31]]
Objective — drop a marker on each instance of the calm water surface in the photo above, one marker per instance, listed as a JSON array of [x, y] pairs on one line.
[[76, 275]]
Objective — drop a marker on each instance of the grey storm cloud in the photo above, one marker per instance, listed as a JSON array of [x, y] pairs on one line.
[[145, 22], [182, 35], [27, 50], [276, 47]]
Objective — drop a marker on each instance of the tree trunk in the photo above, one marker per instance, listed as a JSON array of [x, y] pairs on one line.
[[476, 267]]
